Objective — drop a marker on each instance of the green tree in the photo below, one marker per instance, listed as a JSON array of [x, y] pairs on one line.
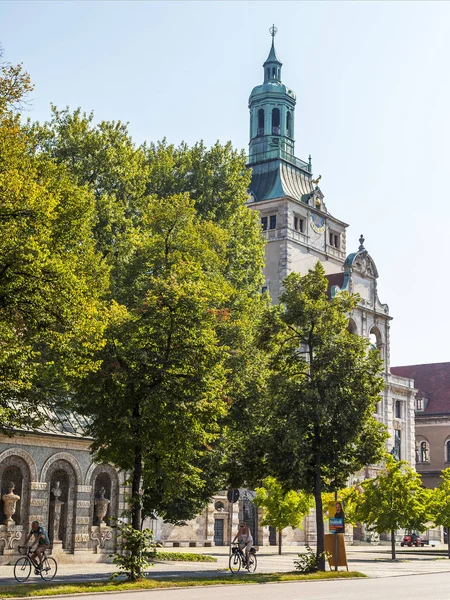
[[324, 387], [282, 509], [122, 178], [440, 504], [156, 403], [51, 279], [394, 499]]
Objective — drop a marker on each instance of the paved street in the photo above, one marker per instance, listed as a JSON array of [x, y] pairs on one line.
[[372, 561], [436, 587]]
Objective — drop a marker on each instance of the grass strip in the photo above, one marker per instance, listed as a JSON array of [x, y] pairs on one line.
[[48, 589], [184, 556]]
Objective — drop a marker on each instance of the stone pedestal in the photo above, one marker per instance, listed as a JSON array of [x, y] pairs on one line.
[[101, 535], [10, 537]]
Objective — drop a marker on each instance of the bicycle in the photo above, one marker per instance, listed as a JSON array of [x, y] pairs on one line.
[[22, 569], [237, 559]]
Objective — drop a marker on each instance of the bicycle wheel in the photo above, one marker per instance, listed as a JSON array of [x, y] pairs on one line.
[[235, 563], [252, 563], [48, 568], [22, 569]]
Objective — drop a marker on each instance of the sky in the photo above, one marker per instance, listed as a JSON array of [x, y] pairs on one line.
[[373, 109]]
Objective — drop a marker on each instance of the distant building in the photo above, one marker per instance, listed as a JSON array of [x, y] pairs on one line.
[[432, 448]]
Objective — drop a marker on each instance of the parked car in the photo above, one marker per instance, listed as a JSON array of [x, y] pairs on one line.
[[412, 539]]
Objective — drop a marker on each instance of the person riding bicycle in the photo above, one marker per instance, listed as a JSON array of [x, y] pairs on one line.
[[245, 538], [41, 540]]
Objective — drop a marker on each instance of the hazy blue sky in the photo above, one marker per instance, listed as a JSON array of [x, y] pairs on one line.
[[373, 102]]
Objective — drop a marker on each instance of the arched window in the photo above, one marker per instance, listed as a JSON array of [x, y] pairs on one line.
[[424, 452], [276, 121], [268, 73], [261, 121], [273, 72], [376, 341], [447, 452], [288, 123]]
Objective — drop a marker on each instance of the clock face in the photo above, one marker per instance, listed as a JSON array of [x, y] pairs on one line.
[[318, 223]]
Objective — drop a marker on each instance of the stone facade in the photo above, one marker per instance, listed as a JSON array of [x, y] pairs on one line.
[[58, 484]]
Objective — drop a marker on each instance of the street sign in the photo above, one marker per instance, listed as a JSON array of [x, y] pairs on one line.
[[233, 495]]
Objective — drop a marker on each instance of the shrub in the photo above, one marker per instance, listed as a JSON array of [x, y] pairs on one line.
[[309, 562], [133, 558]]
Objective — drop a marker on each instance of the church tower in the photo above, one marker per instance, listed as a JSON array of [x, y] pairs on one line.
[[294, 217], [300, 231]]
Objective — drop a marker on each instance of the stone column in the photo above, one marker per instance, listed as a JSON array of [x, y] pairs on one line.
[[82, 516], [209, 525], [38, 504], [57, 507]]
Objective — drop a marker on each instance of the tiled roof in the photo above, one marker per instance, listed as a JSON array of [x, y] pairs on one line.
[[433, 382]]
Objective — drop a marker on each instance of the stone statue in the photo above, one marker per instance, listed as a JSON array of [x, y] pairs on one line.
[[9, 505], [57, 491], [101, 506]]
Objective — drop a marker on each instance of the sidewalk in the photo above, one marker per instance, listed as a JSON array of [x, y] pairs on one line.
[[372, 561]]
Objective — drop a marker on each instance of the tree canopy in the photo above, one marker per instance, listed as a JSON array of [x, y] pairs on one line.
[[51, 279], [324, 386], [394, 499], [282, 509]]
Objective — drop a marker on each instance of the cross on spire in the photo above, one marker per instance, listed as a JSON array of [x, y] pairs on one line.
[[273, 32]]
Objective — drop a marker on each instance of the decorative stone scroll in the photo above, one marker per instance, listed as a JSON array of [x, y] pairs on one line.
[[101, 535], [8, 536]]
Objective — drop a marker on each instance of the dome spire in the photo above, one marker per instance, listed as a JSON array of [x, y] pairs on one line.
[[272, 66]]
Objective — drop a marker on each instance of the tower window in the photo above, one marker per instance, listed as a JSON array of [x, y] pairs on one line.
[[276, 121], [268, 73], [261, 121], [273, 72], [273, 222], [299, 224], [333, 239], [288, 123], [264, 221]]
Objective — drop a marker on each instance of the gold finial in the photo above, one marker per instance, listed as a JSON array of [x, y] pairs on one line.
[[316, 181]]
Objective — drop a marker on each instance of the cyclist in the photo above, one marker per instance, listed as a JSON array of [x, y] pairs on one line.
[[245, 538], [41, 540]]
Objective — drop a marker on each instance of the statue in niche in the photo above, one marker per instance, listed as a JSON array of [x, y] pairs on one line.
[[101, 506], [57, 504], [9, 504]]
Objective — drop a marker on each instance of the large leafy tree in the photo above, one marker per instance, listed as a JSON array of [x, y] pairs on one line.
[[282, 509], [123, 178], [394, 499], [51, 278], [156, 404], [324, 388], [440, 504]]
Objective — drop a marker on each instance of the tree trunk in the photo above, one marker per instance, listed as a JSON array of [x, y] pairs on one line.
[[280, 540], [320, 549], [393, 544], [136, 508], [136, 505]]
